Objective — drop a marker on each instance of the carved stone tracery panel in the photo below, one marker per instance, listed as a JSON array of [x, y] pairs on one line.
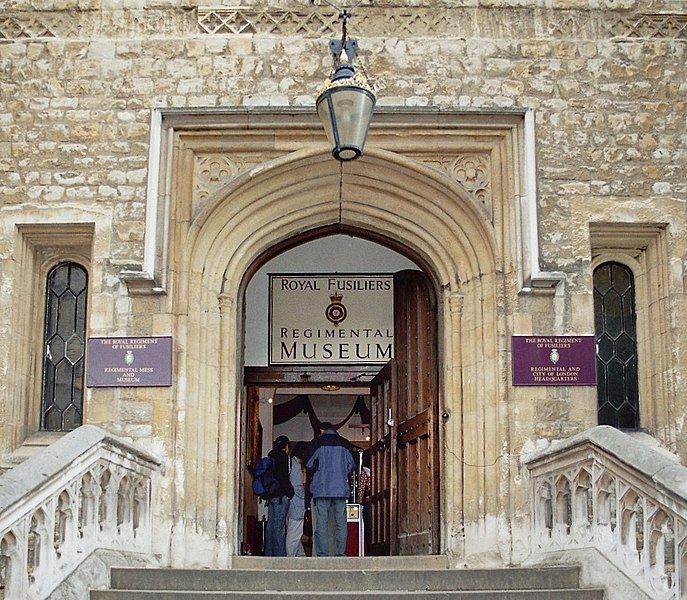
[[213, 171], [322, 21]]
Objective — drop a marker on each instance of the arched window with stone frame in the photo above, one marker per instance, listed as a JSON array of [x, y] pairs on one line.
[[64, 346], [40, 248], [615, 319], [644, 250]]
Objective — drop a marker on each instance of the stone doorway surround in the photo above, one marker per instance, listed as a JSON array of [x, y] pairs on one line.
[[446, 189]]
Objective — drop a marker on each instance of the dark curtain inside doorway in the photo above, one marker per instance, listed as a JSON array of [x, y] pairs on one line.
[[301, 404]]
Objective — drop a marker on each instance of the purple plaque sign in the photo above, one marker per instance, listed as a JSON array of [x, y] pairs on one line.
[[129, 362], [554, 360]]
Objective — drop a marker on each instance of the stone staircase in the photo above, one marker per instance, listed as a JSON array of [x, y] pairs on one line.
[[378, 578]]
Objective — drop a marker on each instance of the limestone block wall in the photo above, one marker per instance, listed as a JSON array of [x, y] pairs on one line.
[[606, 80]]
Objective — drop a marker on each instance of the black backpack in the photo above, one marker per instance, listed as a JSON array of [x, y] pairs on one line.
[[265, 484]]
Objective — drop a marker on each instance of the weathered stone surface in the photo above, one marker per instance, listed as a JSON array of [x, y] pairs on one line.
[[605, 79]]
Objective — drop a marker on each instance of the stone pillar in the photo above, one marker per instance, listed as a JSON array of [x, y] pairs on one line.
[[452, 417], [227, 474]]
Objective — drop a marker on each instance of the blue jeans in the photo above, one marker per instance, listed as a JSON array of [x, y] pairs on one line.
[[275, 531], [323, 508]]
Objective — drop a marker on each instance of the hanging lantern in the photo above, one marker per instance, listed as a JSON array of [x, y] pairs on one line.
[[346, 104]]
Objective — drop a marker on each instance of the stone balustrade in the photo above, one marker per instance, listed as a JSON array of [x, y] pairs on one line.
[[85, 492], [605, 490], [601, 490]]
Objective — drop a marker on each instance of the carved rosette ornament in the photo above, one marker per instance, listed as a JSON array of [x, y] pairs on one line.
[[472, 171], [213, 172]]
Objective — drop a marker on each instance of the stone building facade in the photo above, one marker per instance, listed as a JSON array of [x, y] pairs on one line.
[[169, 147]]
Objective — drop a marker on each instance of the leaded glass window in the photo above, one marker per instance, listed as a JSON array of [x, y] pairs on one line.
[[64, 345], [616, 346]]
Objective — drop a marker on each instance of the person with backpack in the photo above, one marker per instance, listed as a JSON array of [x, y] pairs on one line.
[[330, 462], [278, 504]]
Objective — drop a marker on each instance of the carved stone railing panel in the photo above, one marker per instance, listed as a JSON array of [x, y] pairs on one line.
[[87, 24], [446, 22], [88, 491], [284, 22], [605, 490], [647, 26]]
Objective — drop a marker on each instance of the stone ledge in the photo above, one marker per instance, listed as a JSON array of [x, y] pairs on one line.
[[30, 447], [140, 283]]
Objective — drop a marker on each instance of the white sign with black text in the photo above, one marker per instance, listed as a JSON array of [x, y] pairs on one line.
[[323, 319]]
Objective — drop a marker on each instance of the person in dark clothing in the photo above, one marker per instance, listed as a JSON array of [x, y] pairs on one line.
[[278, 507], [329, 461]]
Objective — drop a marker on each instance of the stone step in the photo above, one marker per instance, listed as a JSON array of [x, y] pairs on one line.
[[366, 563], [344, 580], [382, 578], [559, 594]]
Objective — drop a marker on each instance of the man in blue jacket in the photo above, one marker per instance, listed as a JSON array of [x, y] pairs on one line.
[[330, 462]]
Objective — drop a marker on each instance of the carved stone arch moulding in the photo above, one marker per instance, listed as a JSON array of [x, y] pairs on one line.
[[488, 158], [387, 194], [472, 170]]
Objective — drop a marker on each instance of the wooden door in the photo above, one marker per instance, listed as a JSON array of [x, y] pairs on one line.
[[404, 451], [382, 461], [417, 456]]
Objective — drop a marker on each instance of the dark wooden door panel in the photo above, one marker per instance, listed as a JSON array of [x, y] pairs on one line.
[[382, 464], [417, 436], [415, 427], [404, 450]]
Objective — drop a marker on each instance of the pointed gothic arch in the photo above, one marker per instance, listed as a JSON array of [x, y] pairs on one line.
[[410, 206], [389, 195]]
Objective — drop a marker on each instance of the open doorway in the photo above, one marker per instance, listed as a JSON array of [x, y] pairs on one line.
[[388, 409], [296, 412]]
